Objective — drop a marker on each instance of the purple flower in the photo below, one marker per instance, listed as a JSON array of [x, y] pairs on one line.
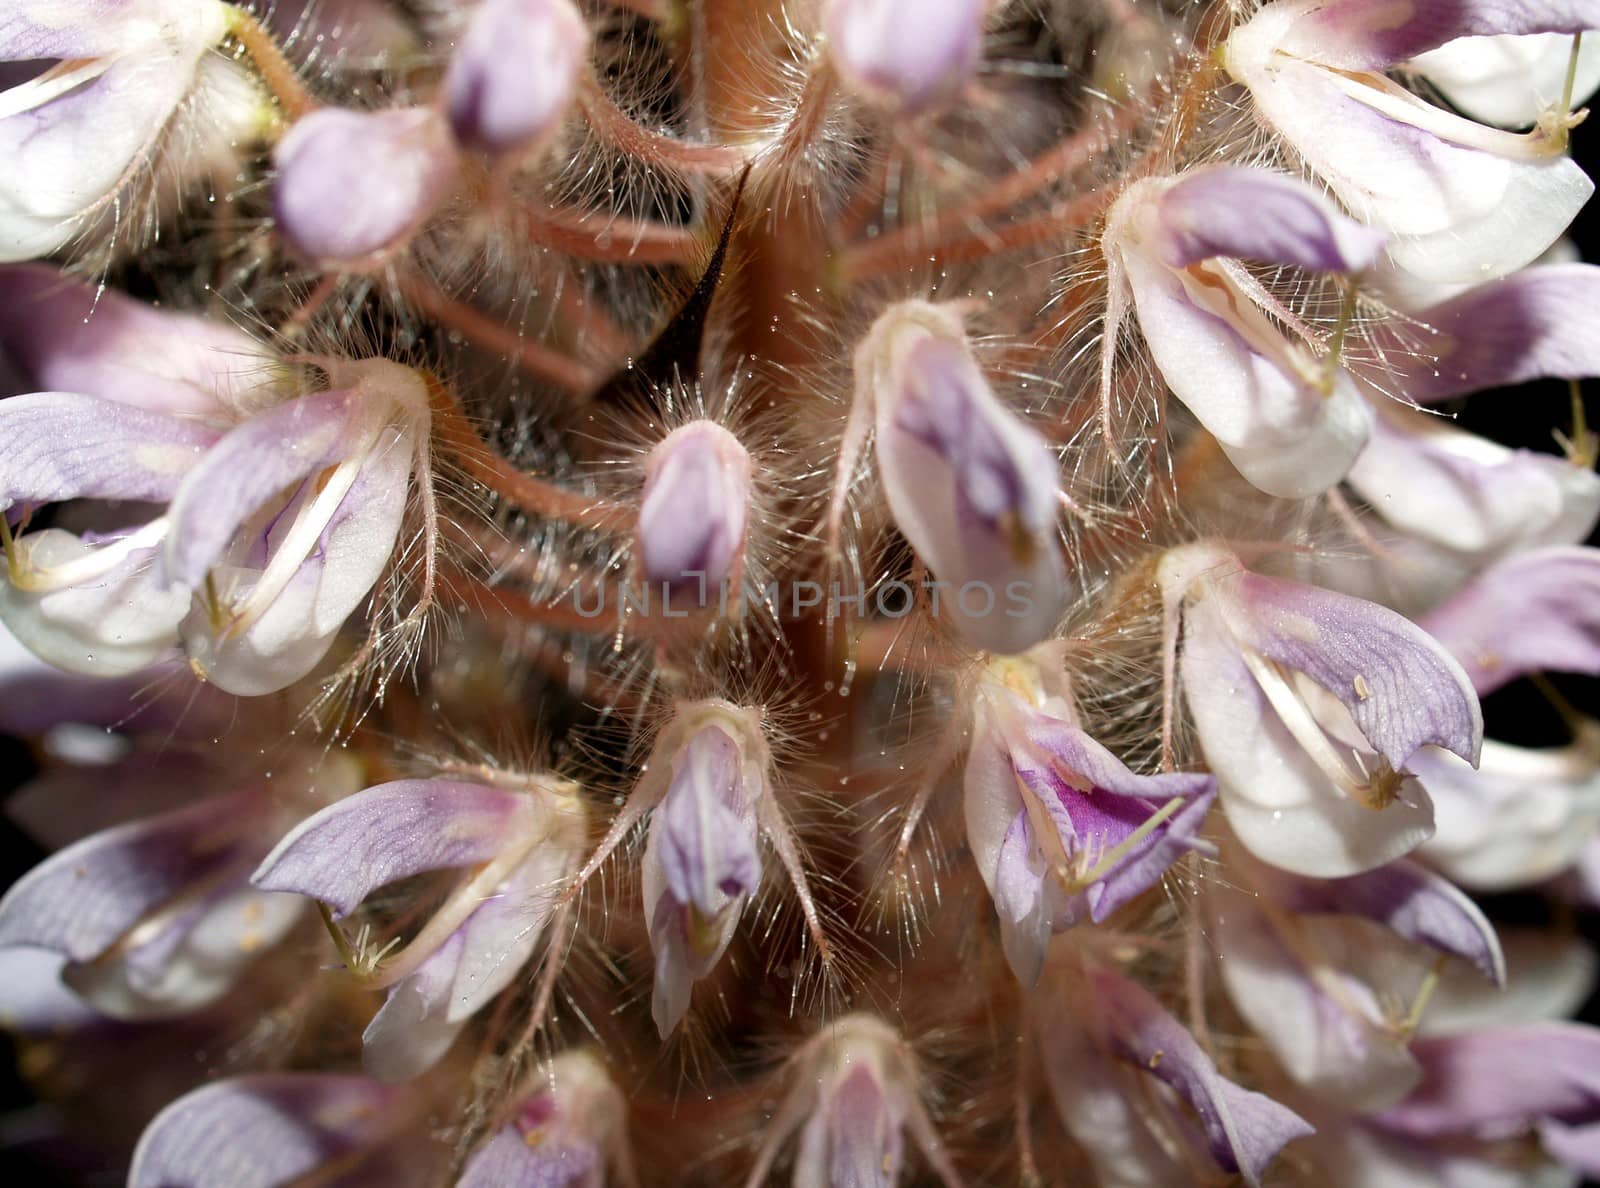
[[1533, 610], [563, 1135], [154, 917], [973, 488], [1332, 973], [277, 573], [694, 511], [1113, 1056], [125, 72], [1463, 202], [1060, 829], [856, 1092], [1292, 423], [1308, 705], [515, 74], [910, 56], [522, 847], [700, 865], [260, 1131], [354, 186]]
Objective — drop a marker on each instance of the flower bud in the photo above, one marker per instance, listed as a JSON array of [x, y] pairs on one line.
[[696, 505], [352, 185], [515, 73], [907, 55], [972, 487]]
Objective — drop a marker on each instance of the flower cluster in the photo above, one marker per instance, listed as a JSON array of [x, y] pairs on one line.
[[365, 366]]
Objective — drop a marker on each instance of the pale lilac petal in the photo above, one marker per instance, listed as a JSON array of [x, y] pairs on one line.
[[1496, 1081], [1282, 805], [1467, 493], [857, 1138], [693, 512], [68, 153], [32, 29], [1267, 405], [1505, 332], [259, 1131], [515, 73], [1521, 818], [193, 959], [83, 899], [250, 465], [1255, 214], [1509, 80], [1549, 977], [707, 826], [1410, 901], [1403, 689], [1462, 206], [1577, 1147], [973, 488], [1244, 1130], [390, 832], [71, 337], [1092, 1098], [1026, 898], [1534, 610], [352, 185], [298, 627], [413, 1028], [1373, 34], [1325, 1026], [507, 1161], [60, 446], [872, 45], [33, 1000], [112, 625]]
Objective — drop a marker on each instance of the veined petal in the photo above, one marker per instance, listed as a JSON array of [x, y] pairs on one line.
[[1522, 817], [33, 1000], [72, 337], [1467, 493], [413, 1029], [1403, 689], [252, 464], [352, 185], [85, 898], [258, 1132], [1509, 80], [1256, 214], [1244, 1130], [291, 627], [1464, 203], [1522, 327], [1534, 610], [561, 1135], [707, 826], [390, 832], [507, 1161], [1282, 805], [60, 445]]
